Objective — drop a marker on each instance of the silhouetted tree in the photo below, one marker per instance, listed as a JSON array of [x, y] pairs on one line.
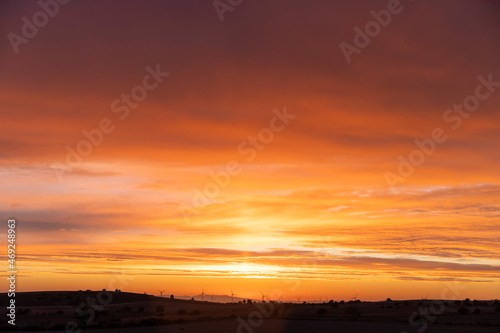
[[321, 311], [353, 311], [334, 304], [160, 309]]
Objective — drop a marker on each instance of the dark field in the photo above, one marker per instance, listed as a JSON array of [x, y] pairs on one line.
[[76, 311]]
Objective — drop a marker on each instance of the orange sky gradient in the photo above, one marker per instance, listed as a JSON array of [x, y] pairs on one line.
[[311, 215]]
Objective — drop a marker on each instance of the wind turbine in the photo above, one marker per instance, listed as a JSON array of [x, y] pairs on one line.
[[202, 293], [263, 296], [298, 299], [161, 292], [232, 294], [355, 297]]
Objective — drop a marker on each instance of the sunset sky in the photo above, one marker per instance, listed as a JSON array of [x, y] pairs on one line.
[[311, 140]]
